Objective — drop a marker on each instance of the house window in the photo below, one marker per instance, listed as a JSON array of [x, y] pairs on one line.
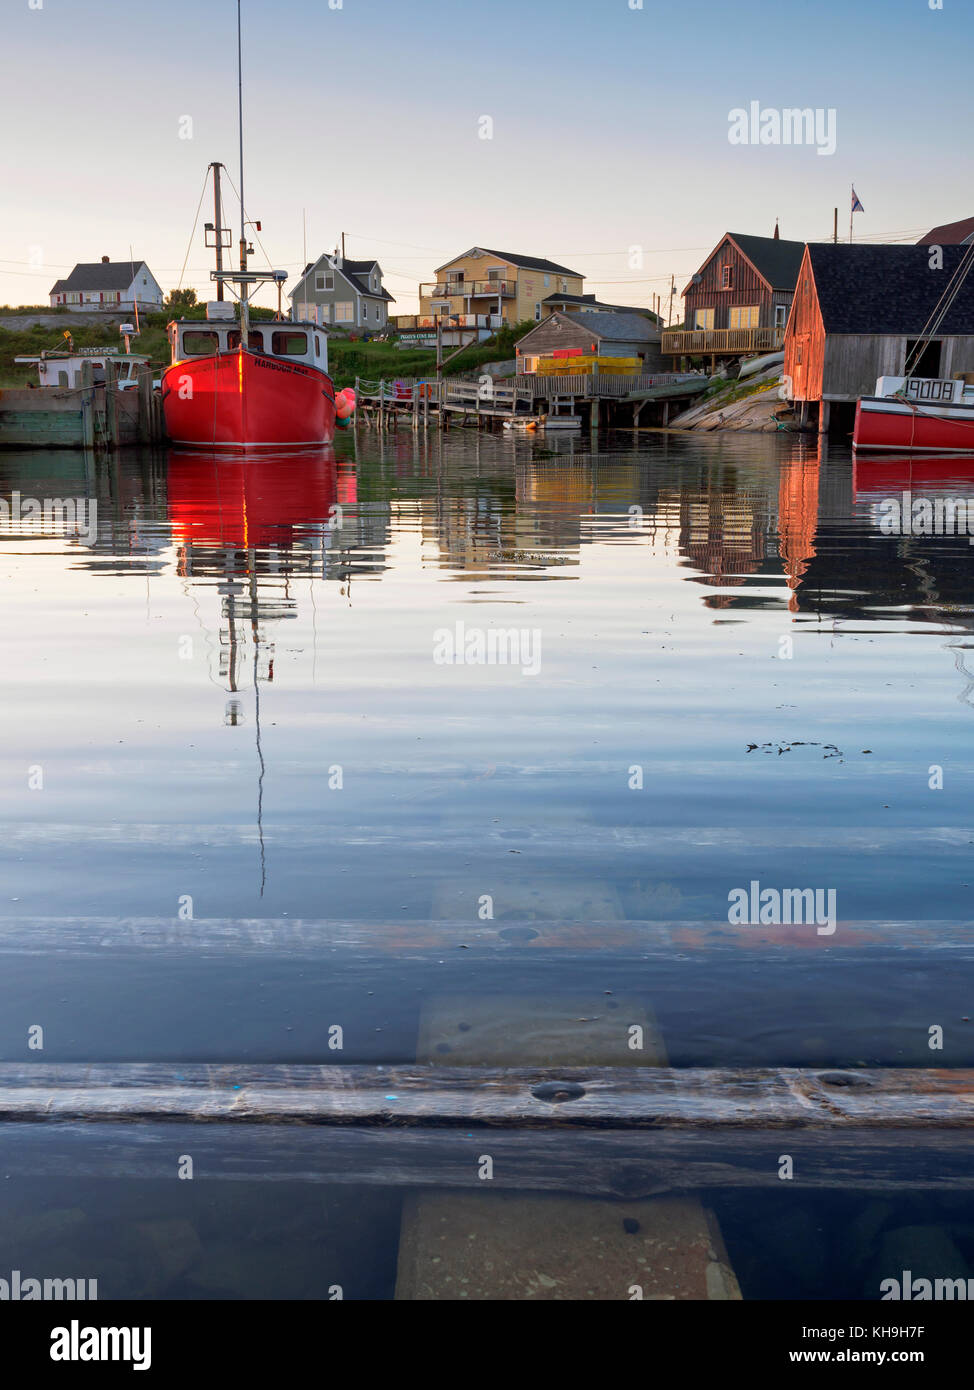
[[325, 312], [726, 277], [547, 282], [703, 318], [537, 312], [564, 286], [345, 311], [324, 282], [744, 316], [375, 282], [289, 344], [780, 315]]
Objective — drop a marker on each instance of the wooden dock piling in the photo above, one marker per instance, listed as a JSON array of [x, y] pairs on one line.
[[111, 405], [87, 406]]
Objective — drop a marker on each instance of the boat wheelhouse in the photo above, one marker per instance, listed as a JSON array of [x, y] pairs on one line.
[[288, 340]]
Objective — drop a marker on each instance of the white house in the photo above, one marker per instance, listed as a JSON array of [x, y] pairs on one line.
[[348, 294], [108, 285]]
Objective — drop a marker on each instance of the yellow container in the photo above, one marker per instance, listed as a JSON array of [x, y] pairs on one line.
[[583, 366]]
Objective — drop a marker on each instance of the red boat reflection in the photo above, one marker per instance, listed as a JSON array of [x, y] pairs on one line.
[[251, 502], [883, 476]]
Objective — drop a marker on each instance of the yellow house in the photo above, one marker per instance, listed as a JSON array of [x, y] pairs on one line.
[[484, 289]]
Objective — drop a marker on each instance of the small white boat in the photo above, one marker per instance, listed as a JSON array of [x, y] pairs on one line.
[[63, 367], [760, 364]]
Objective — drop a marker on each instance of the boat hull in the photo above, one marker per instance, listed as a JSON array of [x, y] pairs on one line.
[[247, 400], [891, 424]]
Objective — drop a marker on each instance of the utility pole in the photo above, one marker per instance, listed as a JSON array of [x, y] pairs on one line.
[[835, 225], [669, 316], [343, 248]]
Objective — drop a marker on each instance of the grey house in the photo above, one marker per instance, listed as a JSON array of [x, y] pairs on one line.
[[107, 285], [343, 293], [595, 333]]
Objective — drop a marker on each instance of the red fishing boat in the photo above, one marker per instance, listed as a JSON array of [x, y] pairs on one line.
[[925, 415], [235, 386], [266, 388]]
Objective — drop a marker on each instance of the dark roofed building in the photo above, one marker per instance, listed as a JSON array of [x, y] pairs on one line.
[[592, 333], [860, 310], [738, 301], [484, 289], [950, 234], [346, 293], [108, 285], [574, 303], [515, 258]]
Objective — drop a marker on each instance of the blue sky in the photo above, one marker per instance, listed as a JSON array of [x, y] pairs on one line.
[[609, 130]]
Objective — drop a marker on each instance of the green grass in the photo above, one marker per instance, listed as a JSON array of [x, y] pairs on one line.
[[384, 361]]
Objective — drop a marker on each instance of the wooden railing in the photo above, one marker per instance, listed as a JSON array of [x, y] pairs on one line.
[[688, 341], [454, 289], [508, 393]]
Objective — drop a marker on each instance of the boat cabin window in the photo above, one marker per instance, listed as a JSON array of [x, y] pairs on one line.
[[254, 339], [289, 344], [199, 344], [317, 346]]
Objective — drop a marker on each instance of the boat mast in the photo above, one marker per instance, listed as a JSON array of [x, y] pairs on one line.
[[244, 316], [218, 232]]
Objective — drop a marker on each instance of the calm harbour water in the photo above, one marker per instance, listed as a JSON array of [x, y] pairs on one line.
[[229, 701]]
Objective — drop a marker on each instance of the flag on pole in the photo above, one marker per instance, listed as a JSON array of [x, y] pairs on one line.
[[856, 207]]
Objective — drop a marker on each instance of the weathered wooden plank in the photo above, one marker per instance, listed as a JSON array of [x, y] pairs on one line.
[[670, 940], [513, 1097]]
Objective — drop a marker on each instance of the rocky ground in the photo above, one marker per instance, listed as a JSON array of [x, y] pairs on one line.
[[755, 405]]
